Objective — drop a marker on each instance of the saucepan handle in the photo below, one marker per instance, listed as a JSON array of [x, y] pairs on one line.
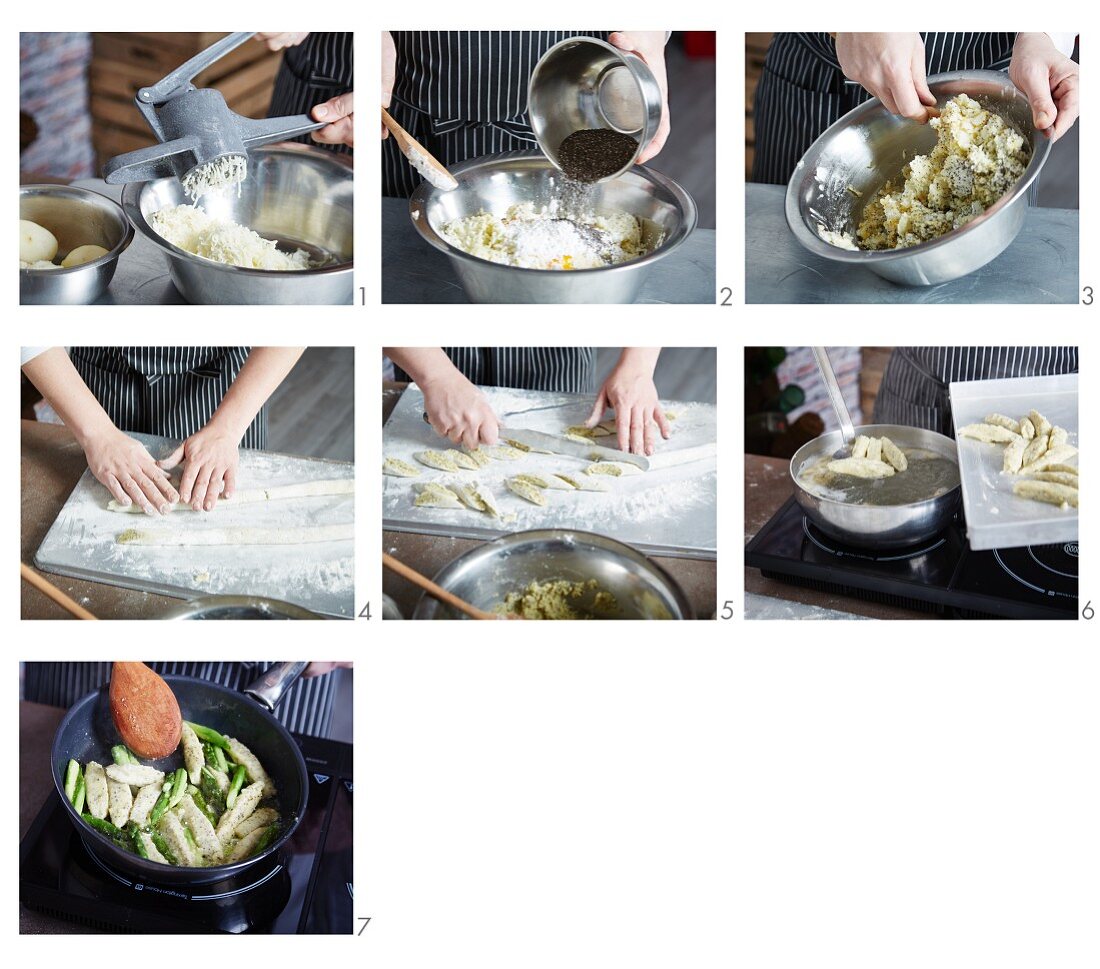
[[268, 689]]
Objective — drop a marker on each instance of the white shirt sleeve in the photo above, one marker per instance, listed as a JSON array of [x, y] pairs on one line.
[[1064, 42], [27, 354]]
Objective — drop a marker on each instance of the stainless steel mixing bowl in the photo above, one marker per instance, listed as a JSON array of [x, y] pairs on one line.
[[77, 217], [583, 83], [869, 146], [494, 182], [298, 195], [877, 526], [485, 575]]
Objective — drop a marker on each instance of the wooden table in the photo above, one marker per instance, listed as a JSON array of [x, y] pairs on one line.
[[767, 486], [429, 553], [51, 463]]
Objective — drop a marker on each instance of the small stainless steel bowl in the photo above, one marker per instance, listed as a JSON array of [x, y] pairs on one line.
[[295, 194], [77, 217], [485, 575], [239, 607], [583, 83], [869, 146], [493, 183], [877, 526]]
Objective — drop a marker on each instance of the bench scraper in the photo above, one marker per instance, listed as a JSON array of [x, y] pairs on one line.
[[195, 126]]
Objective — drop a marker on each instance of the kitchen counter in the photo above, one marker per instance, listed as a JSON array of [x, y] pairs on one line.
[[51, 463], [415, 272], [767, 486], [1040, 266], [429, 553], [37, 726]]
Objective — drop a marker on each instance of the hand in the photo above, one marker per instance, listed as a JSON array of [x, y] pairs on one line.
[[320, 669], [649, 45], [277, 41], [1050, 80], [630, 390], [389, 73], [210, 460], [891, 67], [129, 471], [338, 112], [459, 411]]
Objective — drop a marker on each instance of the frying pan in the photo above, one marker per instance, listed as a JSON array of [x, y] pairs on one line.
[[88, 733], [877, 526]]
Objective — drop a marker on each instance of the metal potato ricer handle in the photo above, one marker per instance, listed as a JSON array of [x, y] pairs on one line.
[[195, 126]]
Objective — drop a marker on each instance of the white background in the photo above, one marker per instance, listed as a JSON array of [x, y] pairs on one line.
[[729, 794]]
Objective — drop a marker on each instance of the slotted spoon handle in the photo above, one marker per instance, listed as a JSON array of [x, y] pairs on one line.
[[836, 398]]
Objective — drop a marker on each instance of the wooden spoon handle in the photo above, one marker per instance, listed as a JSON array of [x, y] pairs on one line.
[[404, 139], [435, 591], [49, 589]]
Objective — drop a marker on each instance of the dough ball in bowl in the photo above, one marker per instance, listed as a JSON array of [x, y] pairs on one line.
[[36, 244], [83, 254]]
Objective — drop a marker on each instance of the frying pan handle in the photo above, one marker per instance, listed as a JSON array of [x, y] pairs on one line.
[[268, 690]]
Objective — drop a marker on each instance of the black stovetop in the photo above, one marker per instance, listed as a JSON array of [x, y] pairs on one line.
[[308, 889], [943, 575]]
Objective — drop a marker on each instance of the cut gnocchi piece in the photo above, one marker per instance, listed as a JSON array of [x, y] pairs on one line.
[[440, 460], [859, 446], [478, 497], [1036, 447], [525, 490], [463, 460], [397, 468], [1048, 491], [1042, 425], [1057, 455], [430, 494], [614, 469], [874, 449], [584, 483], [1001, 421], [1058, 437], [893, 455], [987, 433], [861, 468], [545, 481], [1014, 456], [1027, 429], [505, 452], [478, 456]]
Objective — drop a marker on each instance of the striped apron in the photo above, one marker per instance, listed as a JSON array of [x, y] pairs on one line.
[[802, 90], [914, 385], [562, 370], [306, 708], [169, 391], [463, 94], [317, 70]]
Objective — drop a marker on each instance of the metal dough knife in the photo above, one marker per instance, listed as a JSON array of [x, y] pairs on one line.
[[555, 444]]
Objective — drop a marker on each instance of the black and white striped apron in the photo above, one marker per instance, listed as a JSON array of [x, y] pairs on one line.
[[802, 89], [169, 391], [914, 385], [562, 370], [306, 708], [463, 94], [317, 70]]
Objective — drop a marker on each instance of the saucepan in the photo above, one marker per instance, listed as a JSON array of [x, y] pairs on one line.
[[88, 733], [877, 526]]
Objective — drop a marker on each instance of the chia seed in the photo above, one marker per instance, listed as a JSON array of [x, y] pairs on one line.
[[594, 153]]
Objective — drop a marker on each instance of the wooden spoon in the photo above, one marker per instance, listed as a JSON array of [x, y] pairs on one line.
[[48, 588], [144, 710], [438, 592], [419, 157]]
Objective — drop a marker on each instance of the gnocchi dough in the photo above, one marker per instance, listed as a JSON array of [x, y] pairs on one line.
[[399, 469], [247, 496], [861, 468]]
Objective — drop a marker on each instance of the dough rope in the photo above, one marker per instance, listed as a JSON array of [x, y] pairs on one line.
[[248, 496], [243, 535]]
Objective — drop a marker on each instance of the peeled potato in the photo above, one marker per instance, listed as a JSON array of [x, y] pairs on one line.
[[81, 255], [35, 243]]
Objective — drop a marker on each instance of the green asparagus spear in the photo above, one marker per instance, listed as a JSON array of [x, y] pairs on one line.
[[200, 803], [162, 802], [134, 832], [235, 784], [162, 847], [120, 838], [215, 800], [265, 839], [179, 787], [72, 773], [208, 735], [122, 755], [78, 795]]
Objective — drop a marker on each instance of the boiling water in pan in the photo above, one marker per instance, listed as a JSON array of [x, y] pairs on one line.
[[929, 475]]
